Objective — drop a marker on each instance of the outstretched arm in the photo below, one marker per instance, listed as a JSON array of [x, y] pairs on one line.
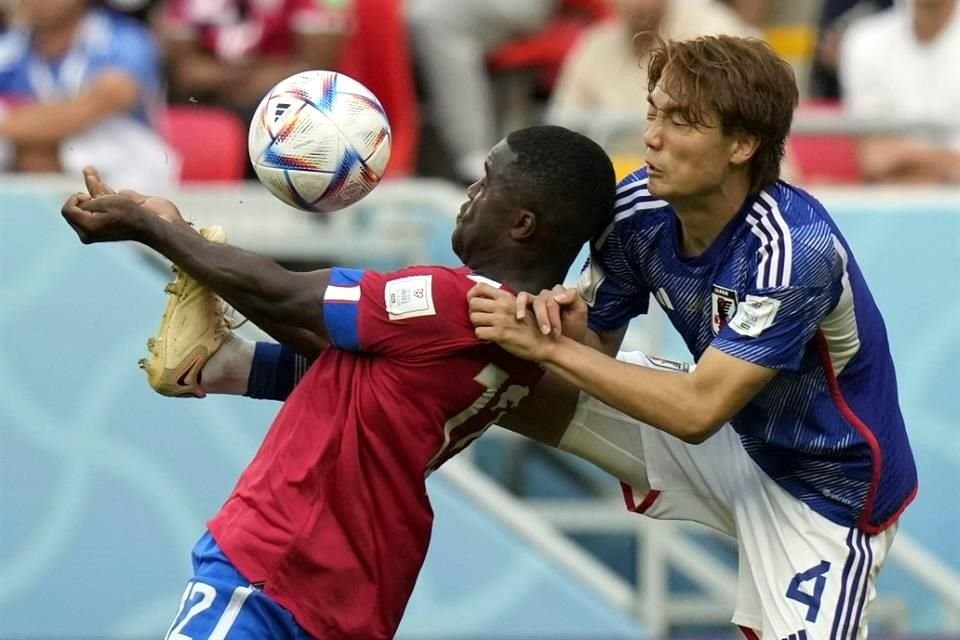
[[688, 406], [259, 288], [300, 341], [256, 286]]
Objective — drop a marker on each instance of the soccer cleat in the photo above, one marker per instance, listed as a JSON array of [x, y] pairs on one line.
[[192, 329]]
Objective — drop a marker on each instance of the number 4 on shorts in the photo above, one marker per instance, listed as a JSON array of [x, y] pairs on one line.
[[811, 599]]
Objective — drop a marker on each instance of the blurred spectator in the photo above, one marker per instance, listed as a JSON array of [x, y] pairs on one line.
[[231, 52], [142, 10], [451, 40], [900, 66], [606, 73], [83, 83], [753, 12], [835, 17], [607, 69]]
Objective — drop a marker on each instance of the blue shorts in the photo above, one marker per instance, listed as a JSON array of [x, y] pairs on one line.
[[220, 604]]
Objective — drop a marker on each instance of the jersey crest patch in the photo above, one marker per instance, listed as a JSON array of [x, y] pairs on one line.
[[755, 315], [409, 297], [723, 307]]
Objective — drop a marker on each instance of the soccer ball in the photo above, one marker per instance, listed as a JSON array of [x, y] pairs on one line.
[[319, 141]]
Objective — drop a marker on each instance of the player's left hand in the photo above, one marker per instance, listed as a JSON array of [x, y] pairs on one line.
[[494, 317], [108, 218]]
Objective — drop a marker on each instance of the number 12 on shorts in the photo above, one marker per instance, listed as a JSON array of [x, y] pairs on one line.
[[810, 598], [197, 598]]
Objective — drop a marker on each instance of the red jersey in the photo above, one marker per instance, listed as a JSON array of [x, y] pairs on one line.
[[332, 514], [235, 29]]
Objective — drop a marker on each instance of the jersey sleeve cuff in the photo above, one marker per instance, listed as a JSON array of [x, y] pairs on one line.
[[341, 306]]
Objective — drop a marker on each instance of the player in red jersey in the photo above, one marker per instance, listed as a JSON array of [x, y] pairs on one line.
[[328, 526]]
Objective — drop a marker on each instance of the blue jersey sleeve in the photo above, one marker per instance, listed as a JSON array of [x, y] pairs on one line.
[[341, 308], [797, 281], [609, 282]]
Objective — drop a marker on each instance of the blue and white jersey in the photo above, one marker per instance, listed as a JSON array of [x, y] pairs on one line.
[[780, 288], [104, 41]]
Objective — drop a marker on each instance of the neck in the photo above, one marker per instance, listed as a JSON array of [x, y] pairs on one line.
[[520, 272], [928, 24], [703, 217], [53, 41]]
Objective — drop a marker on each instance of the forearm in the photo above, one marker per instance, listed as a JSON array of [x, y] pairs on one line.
[[666, 400], [47, 122], [901, 160], [256, 286]]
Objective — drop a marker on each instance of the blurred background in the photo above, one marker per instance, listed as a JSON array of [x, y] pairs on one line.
[[104, 486]]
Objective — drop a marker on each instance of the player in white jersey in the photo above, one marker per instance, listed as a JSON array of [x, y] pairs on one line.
[[804, 455]]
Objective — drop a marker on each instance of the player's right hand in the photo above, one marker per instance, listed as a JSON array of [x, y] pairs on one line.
[[107, 218], [164, 208], [555, 310]]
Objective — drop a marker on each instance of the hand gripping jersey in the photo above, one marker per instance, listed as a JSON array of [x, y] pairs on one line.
[[780, 288], [332, 514]]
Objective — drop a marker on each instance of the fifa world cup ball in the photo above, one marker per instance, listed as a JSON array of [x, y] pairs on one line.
[[319, 141]]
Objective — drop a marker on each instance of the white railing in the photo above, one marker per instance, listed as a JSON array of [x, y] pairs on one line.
[[479, 488], [932, 573]]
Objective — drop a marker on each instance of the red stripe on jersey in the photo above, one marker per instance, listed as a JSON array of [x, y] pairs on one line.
[[867, 434], [645, 504]]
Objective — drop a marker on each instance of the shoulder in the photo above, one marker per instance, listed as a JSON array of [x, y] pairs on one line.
[[456, 276], [794, 237], [635, 208], [633, 196], [435, 282]]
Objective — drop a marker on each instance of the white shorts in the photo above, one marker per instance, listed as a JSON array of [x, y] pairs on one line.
[[801, 576]]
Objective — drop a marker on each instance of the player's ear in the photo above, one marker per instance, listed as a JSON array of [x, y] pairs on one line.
[[524, 224], [743, 148]]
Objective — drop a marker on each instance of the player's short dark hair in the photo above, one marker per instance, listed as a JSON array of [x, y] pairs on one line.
[[743, 81], [566, 179]]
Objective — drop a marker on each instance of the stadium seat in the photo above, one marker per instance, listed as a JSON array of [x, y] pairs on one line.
[[211, 141], [822, 158], [378, 55]]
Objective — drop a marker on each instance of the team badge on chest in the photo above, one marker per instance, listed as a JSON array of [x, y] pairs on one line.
[[723, 307]]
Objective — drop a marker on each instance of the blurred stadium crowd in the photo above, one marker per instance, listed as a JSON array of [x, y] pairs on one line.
[[86, 81], [159, 92]]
